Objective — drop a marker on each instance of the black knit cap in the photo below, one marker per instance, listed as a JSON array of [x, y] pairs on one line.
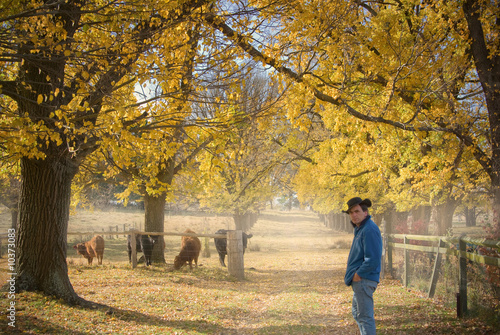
[[357, 201]]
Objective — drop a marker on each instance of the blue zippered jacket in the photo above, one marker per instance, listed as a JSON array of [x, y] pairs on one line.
[[365, 256]]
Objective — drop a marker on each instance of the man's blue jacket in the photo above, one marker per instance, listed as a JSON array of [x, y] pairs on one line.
[[365, 256]]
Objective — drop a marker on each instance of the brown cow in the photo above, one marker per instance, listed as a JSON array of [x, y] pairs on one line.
[[190, 250], [91, 249]]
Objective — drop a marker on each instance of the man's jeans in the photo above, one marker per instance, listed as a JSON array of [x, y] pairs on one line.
[[362, 305]]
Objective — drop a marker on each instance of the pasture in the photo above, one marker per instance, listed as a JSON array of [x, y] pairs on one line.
[[294, 269]]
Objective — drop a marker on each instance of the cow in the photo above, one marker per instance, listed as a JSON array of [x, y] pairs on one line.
[[144, 244], [91, 249], [190, 251], [221, 244]]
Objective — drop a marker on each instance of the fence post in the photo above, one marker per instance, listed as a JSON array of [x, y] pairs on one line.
[[462, 277], [435, 272], [406, 274], [389, 255], [407, 263], [235, 254], [133, 245], [384, 247]]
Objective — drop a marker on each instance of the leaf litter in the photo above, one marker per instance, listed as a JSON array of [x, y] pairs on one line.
[[291, 286]]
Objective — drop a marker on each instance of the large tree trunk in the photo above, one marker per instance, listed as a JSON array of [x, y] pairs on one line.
[[496, 211], [245, 221], [444, 217], [487, 64], [239, 221], [470, 216], [395, 222], [43, 225], [422, 213], [154, 221]]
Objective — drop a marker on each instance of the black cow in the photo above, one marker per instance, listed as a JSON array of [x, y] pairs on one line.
[[143, 243], [221, 244]]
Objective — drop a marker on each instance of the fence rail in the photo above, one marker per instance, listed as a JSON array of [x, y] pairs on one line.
[[130, 232], [455, 239], [440, 245]]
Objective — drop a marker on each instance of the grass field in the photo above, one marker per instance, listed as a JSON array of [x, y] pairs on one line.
[[293, 284]]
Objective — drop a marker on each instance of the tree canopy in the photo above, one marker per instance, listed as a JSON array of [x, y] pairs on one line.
[[378, 67], [398, 101]]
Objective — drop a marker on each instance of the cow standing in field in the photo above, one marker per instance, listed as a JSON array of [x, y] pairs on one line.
[[144, 244], [91, 249], [221, 244], [190, 251]]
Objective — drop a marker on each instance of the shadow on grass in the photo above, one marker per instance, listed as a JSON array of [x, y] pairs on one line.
[[422, 316], [307, 324], [29, 324]]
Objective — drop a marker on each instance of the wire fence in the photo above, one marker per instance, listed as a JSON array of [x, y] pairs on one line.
[[457, 271]]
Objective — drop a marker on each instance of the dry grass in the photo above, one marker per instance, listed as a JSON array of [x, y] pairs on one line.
[[293, 285]]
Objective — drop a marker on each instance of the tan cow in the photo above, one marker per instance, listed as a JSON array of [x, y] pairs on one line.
[[91, 249]]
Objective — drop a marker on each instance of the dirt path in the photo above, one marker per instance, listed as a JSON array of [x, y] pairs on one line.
[[299, 261], [298, 264]]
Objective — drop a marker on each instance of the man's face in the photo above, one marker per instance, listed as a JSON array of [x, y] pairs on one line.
[[357, 215]]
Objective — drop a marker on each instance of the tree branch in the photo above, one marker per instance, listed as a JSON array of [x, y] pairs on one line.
[[241, 41]]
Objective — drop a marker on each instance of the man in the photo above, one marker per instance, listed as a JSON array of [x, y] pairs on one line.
[[363, 264]]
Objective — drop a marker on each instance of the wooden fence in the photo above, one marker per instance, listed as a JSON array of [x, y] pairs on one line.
[[235, 263], [440, 245], [112, 231]]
